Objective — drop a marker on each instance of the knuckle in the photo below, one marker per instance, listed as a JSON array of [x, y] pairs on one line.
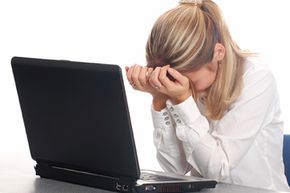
[[162, 78], [152, 82], [157, 68], [141, 79], [134, 78]]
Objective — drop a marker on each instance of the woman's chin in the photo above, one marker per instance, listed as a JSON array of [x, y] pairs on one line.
[[200, 89]]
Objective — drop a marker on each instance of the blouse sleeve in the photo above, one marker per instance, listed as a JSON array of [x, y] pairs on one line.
[[170, 154], [214, 154]]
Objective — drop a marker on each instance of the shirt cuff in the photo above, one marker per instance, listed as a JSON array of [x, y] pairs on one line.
[[187, 111], [161, 119]]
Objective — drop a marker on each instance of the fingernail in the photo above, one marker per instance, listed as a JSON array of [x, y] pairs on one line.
[[157, 87]]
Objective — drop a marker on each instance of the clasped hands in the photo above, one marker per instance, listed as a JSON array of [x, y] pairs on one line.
[[158, 84]]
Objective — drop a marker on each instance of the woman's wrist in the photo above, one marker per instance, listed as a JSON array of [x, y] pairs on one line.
[[159, 103], [181, 98]]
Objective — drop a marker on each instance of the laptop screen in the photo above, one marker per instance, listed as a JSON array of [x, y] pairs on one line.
[[76, 115]]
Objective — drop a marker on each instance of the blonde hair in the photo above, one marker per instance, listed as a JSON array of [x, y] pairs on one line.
[[185, 38]]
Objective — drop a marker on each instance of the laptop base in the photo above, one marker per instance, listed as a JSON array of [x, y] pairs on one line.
[[83, 178], [114, 184]]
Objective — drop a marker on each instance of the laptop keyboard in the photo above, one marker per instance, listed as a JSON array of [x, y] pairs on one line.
[[154, 177]]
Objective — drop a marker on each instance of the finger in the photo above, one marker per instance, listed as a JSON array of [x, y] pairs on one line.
[[135, 76], [142, 76], [149, 73], [177, 76], [154, 80], [129, 74], [163, 78]]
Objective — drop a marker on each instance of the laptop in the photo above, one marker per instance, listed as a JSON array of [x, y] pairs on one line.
[[78, 127]]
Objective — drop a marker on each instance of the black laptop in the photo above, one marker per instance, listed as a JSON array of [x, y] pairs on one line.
[[78, 127]]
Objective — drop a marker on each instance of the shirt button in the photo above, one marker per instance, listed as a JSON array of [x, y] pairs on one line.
[[171, 109], [167, 122], [165, 113], [166, 118], [178, 121], [175, 115]]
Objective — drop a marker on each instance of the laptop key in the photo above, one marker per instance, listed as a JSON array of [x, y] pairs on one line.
[[150, 177]]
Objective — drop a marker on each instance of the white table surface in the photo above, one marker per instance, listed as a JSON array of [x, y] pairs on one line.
[[17, 176]]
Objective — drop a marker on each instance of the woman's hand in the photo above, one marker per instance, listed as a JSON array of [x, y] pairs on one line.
[[157, 83], [138, 77], [177, 90]]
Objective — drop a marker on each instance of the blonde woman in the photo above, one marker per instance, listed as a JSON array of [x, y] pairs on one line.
[[215, 107]]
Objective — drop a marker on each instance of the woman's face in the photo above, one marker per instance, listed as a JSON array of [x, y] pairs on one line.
[[203, 78]]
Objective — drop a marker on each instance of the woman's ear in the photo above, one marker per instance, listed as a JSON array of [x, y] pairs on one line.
[[219, 52]]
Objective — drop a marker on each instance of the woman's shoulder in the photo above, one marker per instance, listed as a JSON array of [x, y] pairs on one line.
[[256, 68], [258, 82]]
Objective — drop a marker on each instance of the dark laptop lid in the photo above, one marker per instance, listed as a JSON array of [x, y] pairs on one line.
[[76, 115]]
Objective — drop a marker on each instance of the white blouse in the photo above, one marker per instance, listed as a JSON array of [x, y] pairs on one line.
[[244, 147]]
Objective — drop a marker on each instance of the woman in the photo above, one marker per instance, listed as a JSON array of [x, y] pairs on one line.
[[215, 107]]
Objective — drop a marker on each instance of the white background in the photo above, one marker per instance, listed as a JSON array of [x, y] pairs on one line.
[[115, 31]]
